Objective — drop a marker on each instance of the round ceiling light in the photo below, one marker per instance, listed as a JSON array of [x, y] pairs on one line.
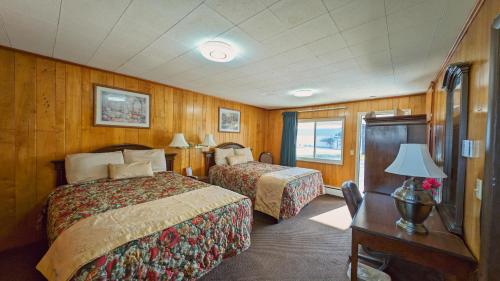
[[217, 51], [303, 93]]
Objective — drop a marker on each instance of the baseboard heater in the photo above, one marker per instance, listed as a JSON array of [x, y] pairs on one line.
[[335, 191]]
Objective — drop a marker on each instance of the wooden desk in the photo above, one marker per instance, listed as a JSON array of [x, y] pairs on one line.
[[374, 226]]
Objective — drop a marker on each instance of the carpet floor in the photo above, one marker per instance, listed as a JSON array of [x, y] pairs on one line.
[[315, 245]]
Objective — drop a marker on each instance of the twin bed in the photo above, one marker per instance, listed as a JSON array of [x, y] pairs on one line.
[[160, 227], [300, 186]]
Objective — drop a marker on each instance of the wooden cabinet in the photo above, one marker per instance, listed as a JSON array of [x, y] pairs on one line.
[[382, 140]]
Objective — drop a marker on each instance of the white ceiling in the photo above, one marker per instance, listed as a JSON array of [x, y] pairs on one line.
[[345, 49]]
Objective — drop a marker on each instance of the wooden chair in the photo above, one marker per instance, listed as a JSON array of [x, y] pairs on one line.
[[353, 199]]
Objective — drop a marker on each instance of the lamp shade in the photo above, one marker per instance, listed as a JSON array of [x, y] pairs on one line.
[[179, 141], [414, 160], [209, 140]]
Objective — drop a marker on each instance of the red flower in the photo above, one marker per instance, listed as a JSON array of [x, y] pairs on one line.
[[192, 241], [101, 261], [197, 220], [431, 184], [153, 253], [152, 275], [110, 266]]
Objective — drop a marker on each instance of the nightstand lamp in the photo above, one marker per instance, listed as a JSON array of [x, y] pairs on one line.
[[180, 142], [208, 142]]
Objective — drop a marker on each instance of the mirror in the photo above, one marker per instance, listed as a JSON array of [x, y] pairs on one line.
[[451, 207]]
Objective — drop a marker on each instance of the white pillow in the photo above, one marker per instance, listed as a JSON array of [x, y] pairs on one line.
[[236, 159], [131, 170], [156, 156], [84, 167], [221, 154], [247, 152]]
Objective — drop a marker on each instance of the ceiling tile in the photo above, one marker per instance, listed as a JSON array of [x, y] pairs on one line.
[[336, 56], [141, 24], [358, 12], [262, 26], [334, 4], [427, 11], [236, 11], [392, 6], [295, 12], [201, 25], [4, 37], [31, 25], [375, 45], [366, 32], [327, 45], [83, 26], [282, 45], [314, 29]]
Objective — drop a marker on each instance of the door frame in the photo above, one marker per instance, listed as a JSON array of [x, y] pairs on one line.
[[490, 228]]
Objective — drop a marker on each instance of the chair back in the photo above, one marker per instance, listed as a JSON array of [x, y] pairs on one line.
[[352, 196]]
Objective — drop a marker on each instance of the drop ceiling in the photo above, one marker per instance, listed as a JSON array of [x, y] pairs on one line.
[[343, 49]]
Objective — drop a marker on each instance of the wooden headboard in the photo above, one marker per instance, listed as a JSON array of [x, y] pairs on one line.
[[61, 170], [210, 155]]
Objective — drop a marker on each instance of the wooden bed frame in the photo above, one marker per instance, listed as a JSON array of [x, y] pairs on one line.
[[61, 170], [210, 155]]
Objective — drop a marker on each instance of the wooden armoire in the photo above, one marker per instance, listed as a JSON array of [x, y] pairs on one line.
[[383, 137]]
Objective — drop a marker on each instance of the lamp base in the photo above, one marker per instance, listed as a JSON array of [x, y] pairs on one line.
[[411, 227]]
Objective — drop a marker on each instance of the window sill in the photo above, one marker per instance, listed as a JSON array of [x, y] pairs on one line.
[[322, 161]]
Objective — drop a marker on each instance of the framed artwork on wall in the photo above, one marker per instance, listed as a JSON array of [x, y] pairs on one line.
[[229, 120], [121, 108]]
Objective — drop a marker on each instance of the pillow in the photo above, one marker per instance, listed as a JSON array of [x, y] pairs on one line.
[[130, 170], [221, 154], [84, 167], [244, 152], [237, 159], [156, 156]]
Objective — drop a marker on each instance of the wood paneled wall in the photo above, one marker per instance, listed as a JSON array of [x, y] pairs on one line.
[[474, 48], [46, 112], [334, 175]]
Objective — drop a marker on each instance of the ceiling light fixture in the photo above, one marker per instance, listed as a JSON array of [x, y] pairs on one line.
[[217, 51], [303, 93]]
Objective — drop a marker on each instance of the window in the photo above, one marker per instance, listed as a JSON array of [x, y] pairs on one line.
[[320, 140]]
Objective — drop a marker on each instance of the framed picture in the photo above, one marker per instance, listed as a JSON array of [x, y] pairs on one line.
[[229, 120], [121, 108]]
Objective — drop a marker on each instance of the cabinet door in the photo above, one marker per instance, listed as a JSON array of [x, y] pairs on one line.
[[382, 147]]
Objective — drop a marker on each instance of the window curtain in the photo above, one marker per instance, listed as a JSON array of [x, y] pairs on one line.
[[289, 139]]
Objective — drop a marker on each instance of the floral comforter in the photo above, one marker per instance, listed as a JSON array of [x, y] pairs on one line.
[[185, 251], [242, 178]]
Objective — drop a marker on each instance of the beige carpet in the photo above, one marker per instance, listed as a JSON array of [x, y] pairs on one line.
[[315, 245]]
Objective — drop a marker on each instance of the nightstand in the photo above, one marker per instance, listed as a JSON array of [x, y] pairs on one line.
[[204, 179]]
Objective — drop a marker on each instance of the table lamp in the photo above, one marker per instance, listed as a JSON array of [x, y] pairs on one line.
[[412, 201], [180, 142], [208, 142]]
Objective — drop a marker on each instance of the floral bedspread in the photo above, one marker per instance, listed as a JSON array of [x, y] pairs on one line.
[[242, 178], [185, 251]]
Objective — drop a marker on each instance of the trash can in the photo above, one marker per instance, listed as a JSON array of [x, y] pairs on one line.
[[367, 273]]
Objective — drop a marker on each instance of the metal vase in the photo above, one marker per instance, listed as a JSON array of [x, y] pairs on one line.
[[414, 205]]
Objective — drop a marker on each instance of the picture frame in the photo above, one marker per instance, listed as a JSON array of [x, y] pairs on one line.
[[229, 120], [116, 107]]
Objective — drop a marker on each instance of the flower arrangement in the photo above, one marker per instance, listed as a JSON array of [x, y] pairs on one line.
[[431, 184]]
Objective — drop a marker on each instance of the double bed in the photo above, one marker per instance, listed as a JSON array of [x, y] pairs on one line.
[[299, 186], [135, 229]]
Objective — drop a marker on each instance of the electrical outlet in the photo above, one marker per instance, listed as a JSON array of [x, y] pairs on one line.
[[351, 152], [479, 188]]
